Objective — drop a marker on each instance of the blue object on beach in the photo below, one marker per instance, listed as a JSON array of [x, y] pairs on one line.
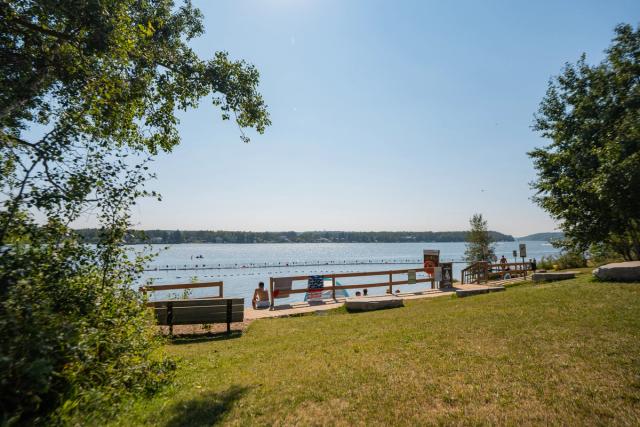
[[328, 294]]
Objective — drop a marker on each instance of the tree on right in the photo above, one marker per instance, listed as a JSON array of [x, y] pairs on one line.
[[588, 177]]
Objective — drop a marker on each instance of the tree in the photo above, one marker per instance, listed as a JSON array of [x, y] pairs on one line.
[[88, 95], [588, 177], [479, 242]]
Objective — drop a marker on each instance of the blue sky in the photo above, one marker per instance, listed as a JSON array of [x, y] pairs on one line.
[[387, 115]]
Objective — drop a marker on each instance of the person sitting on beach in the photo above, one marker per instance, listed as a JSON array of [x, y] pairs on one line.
[[260, 297], [397, 291], [365, 292], [358, 294]]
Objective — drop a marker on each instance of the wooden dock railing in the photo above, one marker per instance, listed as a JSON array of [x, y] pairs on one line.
[[481, 271], [390, 282], [478, 272]]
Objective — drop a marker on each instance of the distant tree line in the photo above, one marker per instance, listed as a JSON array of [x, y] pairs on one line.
[[204, 236], [544, 237]]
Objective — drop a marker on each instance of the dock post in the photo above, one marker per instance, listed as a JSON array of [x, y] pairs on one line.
[[229, 315], [170, 317], [333, 285], [390, 283], [271, 292]]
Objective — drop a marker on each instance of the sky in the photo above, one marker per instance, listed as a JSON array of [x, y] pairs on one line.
[[387, 115]]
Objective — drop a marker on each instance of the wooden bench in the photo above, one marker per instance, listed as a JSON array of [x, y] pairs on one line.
[[198, 311]]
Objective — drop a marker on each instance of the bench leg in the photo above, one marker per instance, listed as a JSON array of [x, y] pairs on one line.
[[170, 318]]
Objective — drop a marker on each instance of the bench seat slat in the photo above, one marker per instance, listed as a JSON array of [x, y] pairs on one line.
[[197, 302], [162, 311], [188, 319], [191, 319], [208, 310]]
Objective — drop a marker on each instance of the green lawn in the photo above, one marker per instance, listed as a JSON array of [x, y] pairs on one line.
[[562, 353]]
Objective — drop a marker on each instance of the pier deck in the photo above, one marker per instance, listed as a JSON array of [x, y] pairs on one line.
[[304, 308]]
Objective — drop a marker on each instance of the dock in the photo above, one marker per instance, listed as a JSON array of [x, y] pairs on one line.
[[302, 308]]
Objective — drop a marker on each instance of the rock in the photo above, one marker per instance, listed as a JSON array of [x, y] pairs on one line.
[[461, 293], [548, 277], [372, 303], [619, 271]]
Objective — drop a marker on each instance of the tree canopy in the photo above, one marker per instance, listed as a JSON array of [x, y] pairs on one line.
[[588, 177], [89, 91]]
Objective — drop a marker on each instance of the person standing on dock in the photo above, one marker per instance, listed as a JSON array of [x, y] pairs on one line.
[[503, 262]]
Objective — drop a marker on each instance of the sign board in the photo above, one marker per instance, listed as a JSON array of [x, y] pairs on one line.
[[281, 287], [437, 274], [411, 277], [431, 260], [315, 284], [523, 250], [447, 275], [515, 254]]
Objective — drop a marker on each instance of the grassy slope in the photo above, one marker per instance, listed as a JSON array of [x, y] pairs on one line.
[[565, 352]]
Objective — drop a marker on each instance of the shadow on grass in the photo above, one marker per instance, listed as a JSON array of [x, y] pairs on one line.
[[208, 337], [204, 410]]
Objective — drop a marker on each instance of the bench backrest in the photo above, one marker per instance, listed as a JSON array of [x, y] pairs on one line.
[[185, 286], [198, 311]]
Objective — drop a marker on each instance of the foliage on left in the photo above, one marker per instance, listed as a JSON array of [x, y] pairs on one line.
[[88, 94]]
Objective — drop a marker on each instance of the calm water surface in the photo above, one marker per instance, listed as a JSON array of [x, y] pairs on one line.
[[240, 282]]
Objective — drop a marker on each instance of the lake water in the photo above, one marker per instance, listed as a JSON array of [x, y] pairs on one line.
[[240, 270]]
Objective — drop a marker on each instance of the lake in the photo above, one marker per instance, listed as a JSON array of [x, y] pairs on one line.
[[242, 266]]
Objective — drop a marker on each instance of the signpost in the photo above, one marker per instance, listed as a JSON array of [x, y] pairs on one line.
[[431, 260], [447, 275], [411, 277], [523, 251], [437, 274]]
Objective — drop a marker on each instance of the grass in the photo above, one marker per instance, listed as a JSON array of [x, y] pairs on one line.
[[557, 353]]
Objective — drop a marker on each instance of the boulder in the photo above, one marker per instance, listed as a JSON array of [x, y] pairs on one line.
[[552, 276], [372, 303], [461, 293], [619, 271]]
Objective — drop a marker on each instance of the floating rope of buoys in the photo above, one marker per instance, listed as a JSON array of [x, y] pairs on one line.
[[279, 264]]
